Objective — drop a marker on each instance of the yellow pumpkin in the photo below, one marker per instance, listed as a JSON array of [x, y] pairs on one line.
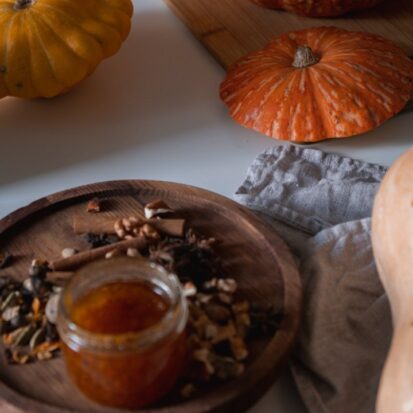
[[49, 46]]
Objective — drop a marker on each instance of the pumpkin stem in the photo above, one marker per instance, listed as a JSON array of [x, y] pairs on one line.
[[305, 57], [23, 4]]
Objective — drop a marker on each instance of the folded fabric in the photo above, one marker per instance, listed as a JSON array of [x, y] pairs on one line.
[[320, 203]]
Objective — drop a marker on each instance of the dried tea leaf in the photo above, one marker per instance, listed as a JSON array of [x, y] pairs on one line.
[[23, 335], [38, 338], [10, 300]]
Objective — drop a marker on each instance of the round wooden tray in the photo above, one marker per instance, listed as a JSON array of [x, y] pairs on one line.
[[252, 253]]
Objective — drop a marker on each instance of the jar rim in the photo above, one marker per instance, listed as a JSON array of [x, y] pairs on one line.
[[174, 320]]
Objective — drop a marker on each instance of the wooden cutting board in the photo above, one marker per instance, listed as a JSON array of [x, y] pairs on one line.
[[229, 29], [250, 251]]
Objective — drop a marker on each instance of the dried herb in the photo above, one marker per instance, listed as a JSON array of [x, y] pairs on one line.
[[220, 322], [23, 322], [100, 240]]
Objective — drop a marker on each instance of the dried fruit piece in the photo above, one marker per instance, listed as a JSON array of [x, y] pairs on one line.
[[94, 206]]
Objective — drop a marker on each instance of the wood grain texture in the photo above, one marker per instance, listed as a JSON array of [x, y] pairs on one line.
[[252, 253], [230, 29]]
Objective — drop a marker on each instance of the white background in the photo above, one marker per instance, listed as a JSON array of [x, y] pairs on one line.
[[152, 111]]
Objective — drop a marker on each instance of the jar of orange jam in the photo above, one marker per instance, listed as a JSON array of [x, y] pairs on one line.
[[122, 324]]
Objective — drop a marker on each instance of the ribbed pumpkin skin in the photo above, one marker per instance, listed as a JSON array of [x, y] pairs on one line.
[[52, 45], [360, 81], [318, 8]]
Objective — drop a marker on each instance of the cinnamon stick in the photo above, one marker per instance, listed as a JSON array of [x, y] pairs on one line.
[[58, 277], [85, 257], [106, 225]]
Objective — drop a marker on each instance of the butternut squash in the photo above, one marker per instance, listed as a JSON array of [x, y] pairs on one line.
[[392, 236]]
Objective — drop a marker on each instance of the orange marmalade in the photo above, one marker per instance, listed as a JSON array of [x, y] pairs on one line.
[[122, 323]]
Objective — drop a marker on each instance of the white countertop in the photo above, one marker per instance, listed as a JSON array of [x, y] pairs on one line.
[[152, 111]]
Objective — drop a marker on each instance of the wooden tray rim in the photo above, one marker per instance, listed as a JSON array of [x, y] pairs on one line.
[[258, 378]]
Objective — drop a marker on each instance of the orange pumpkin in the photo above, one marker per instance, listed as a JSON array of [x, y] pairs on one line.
[[49, 46], [314, 84], [318, 8]]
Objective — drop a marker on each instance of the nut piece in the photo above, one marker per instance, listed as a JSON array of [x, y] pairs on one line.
[[238, 348], [227, 285], [189, 289], [68, 252], [156, 208], [133, 252], [94, 206], [113, 253], [149, 232]]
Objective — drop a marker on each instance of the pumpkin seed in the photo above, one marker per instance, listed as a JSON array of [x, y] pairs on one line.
[[52, 308], [57, 289], [10, 312], [28, 285]]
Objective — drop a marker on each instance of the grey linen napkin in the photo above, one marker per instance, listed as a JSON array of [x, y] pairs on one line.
[[321, 203]]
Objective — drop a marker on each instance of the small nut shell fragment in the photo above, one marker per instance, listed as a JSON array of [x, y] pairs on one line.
[[149, 232], [189, 289], [28, 285], [227, 285], [112, 254], [68, 252], [133, 252], [156, 208]]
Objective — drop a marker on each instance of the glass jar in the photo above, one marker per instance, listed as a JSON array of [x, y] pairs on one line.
[[114, 358]]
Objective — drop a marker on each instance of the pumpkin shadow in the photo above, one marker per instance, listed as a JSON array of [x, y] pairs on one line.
[[144, 94], [381, 145]]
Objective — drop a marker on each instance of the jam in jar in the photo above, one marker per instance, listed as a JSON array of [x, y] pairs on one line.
[[122, 323]]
